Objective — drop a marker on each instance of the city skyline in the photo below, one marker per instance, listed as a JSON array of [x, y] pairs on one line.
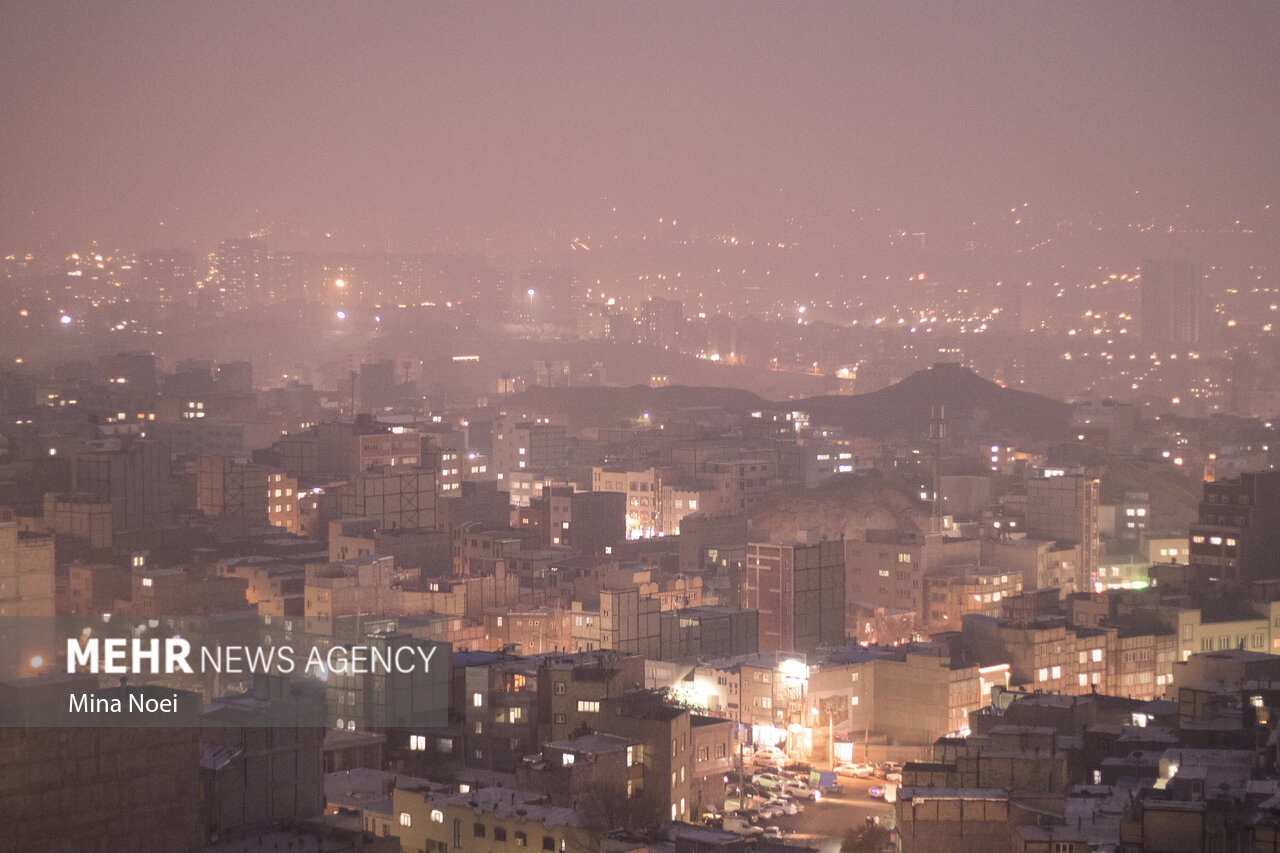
[[639, 427]]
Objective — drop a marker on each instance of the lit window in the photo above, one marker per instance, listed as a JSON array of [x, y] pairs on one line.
[[437, 816], [477, 700], [406, 820]]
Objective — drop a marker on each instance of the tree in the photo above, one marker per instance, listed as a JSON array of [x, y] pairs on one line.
[[866, 839], [607, 807]]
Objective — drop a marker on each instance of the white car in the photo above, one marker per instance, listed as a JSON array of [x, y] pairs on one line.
[[801, 791], [733, 823], [790, 806], [860, 771], [771, 832], [774, 762], [769, 811]]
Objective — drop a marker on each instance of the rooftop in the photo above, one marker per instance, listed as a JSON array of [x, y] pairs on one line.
[[509, 803], [920, 795], [595, 744], [362, 788]]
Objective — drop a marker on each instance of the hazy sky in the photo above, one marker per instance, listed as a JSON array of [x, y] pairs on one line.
[[424, 122]]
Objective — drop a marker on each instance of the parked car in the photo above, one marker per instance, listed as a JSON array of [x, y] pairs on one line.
[[771, 832], [801, 791], [786, 805], [775, 762], [888, 767], [734, 823], [769, 781], [773, 810], [876, 792], [790, 806], [860, 771]]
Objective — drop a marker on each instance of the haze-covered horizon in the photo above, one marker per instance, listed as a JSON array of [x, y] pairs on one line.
[[509, 131]]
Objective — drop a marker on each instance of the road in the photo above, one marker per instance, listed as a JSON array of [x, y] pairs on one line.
[[823, 824]]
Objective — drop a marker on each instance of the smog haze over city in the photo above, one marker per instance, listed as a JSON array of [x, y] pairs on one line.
[[511, 131], [868, 404]]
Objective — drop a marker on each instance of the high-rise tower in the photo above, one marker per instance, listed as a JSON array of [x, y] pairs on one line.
[[1172, 303]]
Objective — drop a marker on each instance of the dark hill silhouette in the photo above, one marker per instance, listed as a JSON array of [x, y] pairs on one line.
[[974, 407]]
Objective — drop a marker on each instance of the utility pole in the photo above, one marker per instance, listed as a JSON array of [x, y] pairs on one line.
[[831, 737], [937, 432]]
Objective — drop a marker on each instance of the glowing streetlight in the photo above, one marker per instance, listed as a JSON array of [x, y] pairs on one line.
[[341, 315], [65, 320]]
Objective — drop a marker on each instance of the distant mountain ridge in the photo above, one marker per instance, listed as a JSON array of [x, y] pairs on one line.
[[973, 405]]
